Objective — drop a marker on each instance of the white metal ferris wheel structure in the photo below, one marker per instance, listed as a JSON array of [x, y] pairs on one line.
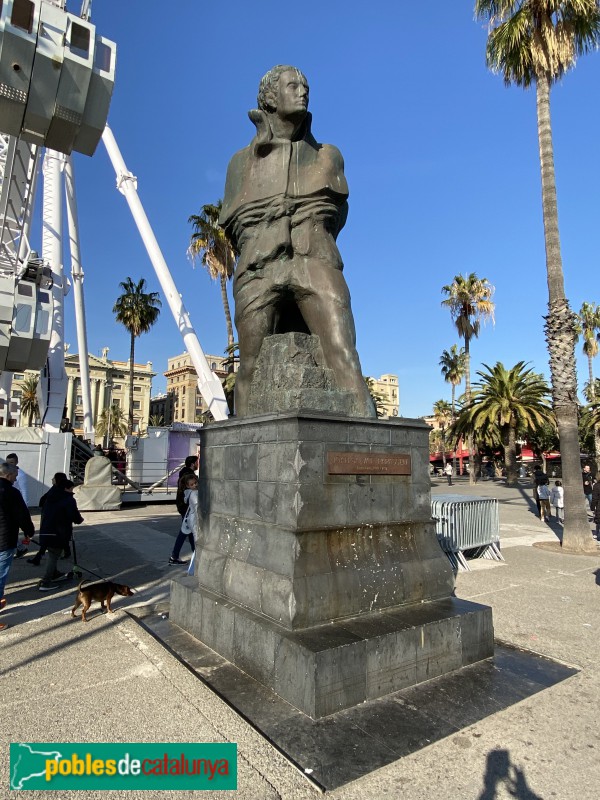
[[56, 80]]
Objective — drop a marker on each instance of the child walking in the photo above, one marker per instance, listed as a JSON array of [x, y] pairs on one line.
[[188, 524], [557, 499]]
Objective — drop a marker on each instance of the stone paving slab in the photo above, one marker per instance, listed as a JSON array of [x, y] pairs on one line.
[[109, 680]]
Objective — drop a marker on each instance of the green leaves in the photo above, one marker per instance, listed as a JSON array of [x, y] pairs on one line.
[[470, 303], [210, 243], [137, 309], [532, 38], [516, 398]]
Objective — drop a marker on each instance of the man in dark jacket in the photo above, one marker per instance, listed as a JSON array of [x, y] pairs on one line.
[[59, 513], [588, 483], [13, 516]]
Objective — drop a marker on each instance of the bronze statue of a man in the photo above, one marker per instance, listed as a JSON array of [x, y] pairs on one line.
[[284, 206]]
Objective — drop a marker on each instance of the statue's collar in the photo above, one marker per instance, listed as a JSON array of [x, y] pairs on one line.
[[264, 140]]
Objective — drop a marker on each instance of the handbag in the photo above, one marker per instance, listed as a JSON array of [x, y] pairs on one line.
[[185, 524]]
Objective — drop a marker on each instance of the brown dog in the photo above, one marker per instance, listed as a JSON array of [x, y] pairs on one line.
[[103, 592]]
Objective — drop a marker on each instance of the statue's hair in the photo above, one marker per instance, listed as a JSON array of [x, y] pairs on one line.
[[269, 83]]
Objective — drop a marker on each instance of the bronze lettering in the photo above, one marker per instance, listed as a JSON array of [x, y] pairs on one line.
[[368, 463]]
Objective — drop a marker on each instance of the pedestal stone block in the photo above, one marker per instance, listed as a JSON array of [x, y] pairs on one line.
[[318, 569], [327, 668]]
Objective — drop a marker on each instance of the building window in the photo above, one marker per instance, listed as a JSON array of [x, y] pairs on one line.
[[17, 393], [22, 15], [137, 388], [117, 386], [79, 400], [18, 376], [137, 405]]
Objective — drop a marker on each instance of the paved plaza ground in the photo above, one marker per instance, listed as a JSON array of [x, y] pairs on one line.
[[109, 680]]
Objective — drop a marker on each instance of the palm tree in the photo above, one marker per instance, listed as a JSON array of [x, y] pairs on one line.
[[453, 364], [588, 325], [111, 423], [591, 391], [443, 413], [29, 400], [590, 418], [470, 302], [210, 243], [137, 310], [537, 41], [156, 421], [504, 402]]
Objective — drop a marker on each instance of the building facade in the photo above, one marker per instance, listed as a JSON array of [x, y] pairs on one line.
[[387, 388], [183, 402], [109, 384], [162, 409], [109, 387]]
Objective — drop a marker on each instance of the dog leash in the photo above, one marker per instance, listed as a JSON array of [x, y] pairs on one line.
[[77, 568]]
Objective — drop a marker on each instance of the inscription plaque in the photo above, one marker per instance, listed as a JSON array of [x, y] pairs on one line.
[[339, 463]]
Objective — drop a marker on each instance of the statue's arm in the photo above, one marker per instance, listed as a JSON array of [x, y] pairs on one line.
[[234, 191]]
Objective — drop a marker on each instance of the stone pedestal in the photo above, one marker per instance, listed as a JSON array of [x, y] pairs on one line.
[[318, 568]]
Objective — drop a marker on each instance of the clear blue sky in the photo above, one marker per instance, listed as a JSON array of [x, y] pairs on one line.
[[441, 160]]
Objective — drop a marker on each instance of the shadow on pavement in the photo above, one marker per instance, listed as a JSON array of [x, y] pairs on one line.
[[501, 772]]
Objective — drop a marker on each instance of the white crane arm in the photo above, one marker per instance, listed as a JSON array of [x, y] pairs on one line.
[[209, 384]]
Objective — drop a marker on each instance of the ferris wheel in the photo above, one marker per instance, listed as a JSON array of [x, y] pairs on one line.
[[57, 75]]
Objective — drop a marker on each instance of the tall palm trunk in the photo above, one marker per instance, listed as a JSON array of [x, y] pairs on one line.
[[226, 309], [131, 356], [560, 333], [509, 442], [443, 430], [453, 419], [470, 446]]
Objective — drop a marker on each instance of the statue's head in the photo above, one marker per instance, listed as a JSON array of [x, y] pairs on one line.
[[283, 89]]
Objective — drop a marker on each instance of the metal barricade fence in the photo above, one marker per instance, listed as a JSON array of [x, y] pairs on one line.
[[467, 523]]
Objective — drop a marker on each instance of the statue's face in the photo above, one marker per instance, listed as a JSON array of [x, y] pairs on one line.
[[292, 95]]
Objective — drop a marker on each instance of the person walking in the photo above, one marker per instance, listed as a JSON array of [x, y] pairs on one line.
[[56, 530], [190, 467], [544, 497], [58, 479], [539, 479], [14, 515], [557, 499], [21, 485], [448, 472], [588, 483], [188, 523], [595, 506], [21, 481]]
